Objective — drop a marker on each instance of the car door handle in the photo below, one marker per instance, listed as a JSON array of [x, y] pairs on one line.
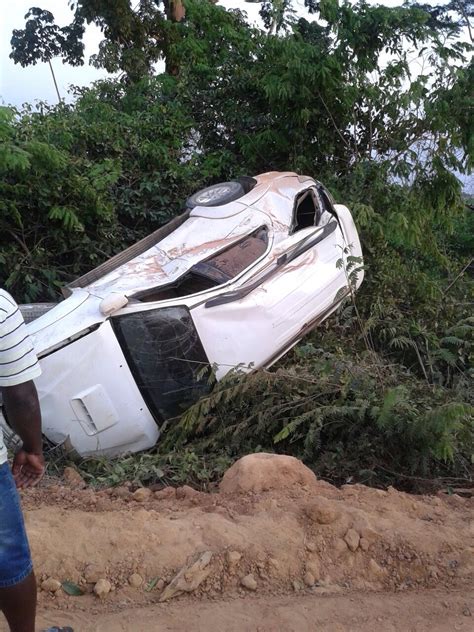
[[308, 243]]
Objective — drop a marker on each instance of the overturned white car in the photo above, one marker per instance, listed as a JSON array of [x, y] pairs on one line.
[[236, 280]]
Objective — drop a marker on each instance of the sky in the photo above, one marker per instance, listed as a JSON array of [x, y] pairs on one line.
[[26, 85]]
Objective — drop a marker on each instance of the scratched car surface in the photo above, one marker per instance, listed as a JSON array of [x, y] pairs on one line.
[[236, 280]]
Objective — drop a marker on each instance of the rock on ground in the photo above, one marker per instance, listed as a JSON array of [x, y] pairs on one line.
[[189, 577], [322, 511], [249, 582], [142, 494], [262, 472], [135, 580], [73, 479], [102, 588], [51, 585]]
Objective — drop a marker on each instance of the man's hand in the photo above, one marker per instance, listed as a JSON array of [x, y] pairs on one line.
[[28, 469]]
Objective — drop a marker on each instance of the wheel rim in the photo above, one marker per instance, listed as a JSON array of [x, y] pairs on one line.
[[213, 194]]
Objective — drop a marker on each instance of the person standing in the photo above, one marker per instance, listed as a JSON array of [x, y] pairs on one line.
[[18, 368]]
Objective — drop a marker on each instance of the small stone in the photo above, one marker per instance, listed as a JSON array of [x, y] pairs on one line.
[[467, 612], [186, 492], [233, 557], [102, 588], [121, 492], [322, 511], [340, 547], [310, 546], [73, 478], [297, 585], [275, 564], [375, 568], [364, 544], [249, 582], [92, 573], [160, 584], [433, 572], [309, 579], [142, 494], [50, 585], [352, 539], [190, 577], [135, 580], [312, 568], [167, 493]]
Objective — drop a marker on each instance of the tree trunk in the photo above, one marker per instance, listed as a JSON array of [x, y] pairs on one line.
[[175, 12]]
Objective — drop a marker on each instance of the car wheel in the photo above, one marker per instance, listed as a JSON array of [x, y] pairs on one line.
[[216, 195]]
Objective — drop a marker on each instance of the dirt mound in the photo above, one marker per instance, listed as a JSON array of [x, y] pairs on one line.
[[263, 472], [317, 539], [272, 530]]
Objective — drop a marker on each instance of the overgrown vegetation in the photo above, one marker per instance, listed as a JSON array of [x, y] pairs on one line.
[[377, 103]]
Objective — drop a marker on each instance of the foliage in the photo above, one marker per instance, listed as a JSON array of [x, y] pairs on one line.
[[80, 182], [339, 412], [177, 467], [42, 40]]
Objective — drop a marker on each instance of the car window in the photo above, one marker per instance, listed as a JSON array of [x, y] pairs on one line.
[[218, 269], [307, 211], [166, 358], [227, 264]]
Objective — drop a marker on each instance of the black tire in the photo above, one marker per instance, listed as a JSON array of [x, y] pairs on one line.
[[216, 195]]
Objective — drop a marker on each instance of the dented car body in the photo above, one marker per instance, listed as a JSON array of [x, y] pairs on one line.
[[232, 284]]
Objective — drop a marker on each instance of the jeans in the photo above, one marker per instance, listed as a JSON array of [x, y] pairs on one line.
[[15, 557]]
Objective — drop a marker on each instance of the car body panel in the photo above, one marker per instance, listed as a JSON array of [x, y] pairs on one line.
[[90, 399]]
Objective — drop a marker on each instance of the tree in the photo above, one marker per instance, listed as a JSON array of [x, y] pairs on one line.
[[42, 40], [276, 14], [136, 35]]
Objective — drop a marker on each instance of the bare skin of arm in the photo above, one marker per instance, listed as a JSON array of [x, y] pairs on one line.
[[23, 413]]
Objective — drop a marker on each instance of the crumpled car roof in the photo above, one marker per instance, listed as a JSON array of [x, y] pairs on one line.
[[208, 230]]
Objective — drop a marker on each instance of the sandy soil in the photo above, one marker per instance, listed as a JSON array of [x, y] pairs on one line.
[[294, 555], [425, 611]]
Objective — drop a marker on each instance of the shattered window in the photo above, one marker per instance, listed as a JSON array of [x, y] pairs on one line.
[[166, 358], [218, 269]]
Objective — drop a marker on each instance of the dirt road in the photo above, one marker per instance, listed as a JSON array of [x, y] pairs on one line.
[[424, 611], [273, 550]]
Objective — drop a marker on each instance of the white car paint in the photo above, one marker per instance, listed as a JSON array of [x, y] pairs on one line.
[[88, 390]]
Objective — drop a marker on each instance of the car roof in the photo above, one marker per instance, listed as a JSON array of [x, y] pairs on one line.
[[207, 231]]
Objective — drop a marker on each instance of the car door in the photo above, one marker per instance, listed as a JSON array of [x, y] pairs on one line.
[[255, 323]]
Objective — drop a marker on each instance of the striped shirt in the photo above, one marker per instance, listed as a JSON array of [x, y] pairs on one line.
[[18, 361]]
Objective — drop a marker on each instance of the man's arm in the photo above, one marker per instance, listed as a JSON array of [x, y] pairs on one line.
[[18, 367], [23, 413]]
